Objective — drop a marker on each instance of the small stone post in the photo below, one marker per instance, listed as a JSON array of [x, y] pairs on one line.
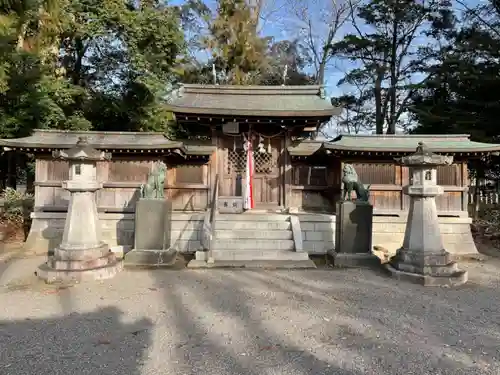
[[423, 259], [81, 255]]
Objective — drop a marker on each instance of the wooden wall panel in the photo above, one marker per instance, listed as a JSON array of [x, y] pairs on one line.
[[376, 173], [57, 170], [188, 199], [449, 201], [129, 170], [310, 200], [448, 175]]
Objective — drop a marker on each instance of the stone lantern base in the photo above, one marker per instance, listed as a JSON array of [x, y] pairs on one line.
[[435, 269], [76, 265]]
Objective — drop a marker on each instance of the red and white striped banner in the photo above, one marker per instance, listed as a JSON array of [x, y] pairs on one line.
[[248, 203]]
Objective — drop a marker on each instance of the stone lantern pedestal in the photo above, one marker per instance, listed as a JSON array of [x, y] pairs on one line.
[[422, 258], [81, 255]]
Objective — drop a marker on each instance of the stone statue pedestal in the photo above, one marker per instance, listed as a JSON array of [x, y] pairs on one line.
[[81, 255], [152, 247], [422, 259], [353, 235]]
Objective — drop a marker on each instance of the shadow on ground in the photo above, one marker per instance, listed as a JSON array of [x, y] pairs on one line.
[[221, 322], [98, 342], [345, 322]]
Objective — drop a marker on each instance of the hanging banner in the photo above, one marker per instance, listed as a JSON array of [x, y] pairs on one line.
[[249, 203]]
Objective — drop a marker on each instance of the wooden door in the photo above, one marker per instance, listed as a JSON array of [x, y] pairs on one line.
[[267, 181]]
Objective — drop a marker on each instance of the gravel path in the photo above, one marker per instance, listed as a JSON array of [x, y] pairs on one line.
[[218, 322]]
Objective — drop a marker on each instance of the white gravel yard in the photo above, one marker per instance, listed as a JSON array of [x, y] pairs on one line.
[[220, 322]]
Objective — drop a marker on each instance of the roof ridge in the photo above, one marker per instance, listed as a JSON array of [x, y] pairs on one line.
[[104, 132], [380, 136], [313, 90]]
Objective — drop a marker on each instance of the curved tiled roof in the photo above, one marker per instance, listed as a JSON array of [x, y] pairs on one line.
[[135, 141], [359, 143], [276, 101]]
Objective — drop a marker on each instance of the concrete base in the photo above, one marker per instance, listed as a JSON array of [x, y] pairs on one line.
[[318, 232], [455, 279], [354, 260], [262, 264], [150, 258], [56, 270], [426, 268]]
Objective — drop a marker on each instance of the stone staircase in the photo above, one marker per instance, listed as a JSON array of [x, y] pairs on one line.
[[256, 240]]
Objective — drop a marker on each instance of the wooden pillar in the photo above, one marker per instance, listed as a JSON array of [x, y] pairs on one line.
[[287, 171], [214, 165], [464, 182], [12, 169], [405, 180]]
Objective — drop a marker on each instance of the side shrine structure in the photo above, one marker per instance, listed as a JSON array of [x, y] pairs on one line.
[[295, 182]]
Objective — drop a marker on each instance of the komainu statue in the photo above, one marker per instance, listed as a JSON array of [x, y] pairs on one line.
[[351, 182], [153, 188]]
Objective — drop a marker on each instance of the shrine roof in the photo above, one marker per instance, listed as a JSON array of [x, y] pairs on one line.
[[137, 142], [404, 143], [305, 148], [399, 143], [256, 101]]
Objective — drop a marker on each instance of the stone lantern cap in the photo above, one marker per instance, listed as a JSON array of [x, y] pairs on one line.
[[424, 157], [82, 151]]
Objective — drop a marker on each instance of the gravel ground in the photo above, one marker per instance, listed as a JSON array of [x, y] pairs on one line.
[[220, 322]]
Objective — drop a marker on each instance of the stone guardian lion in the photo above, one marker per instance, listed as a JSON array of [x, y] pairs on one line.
[[351, 182]]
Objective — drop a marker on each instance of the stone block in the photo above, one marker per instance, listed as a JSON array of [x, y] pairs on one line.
[[186, 246], [306, 226], [346, 260], [230, 205], [353, 232], [152, 224], [456, 279], [314, 236], [153, 258], [188, 234], [325, 227]]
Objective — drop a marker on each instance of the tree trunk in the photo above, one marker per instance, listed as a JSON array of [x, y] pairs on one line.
[[379, 114], [391, 126]]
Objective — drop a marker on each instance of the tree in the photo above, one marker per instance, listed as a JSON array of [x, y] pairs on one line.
[[281, 57], [70, 58], [317, 24], [387, 55], [237, 49]]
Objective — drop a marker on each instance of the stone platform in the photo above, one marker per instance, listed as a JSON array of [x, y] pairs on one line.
[[432, 270], [80, 265], [346, 260], [254, 264]]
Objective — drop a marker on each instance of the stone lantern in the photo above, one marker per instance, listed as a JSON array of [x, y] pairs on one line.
[[422, 258], [82, 255]]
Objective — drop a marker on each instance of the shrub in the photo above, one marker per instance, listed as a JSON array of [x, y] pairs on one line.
[[16, 205]]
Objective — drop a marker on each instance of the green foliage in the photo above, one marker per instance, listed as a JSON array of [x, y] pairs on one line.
[[86, 64], [16, 205], [236, 47]]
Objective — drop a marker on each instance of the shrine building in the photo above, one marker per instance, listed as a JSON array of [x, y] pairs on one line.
[[295, 182]]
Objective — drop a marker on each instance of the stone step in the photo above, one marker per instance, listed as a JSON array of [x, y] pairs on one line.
[[265, 264], [252, 217], [254, 234], [248, 255], [252, 225], [222, 244]]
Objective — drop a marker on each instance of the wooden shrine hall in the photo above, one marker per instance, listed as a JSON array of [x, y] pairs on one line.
[[295, 181]]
